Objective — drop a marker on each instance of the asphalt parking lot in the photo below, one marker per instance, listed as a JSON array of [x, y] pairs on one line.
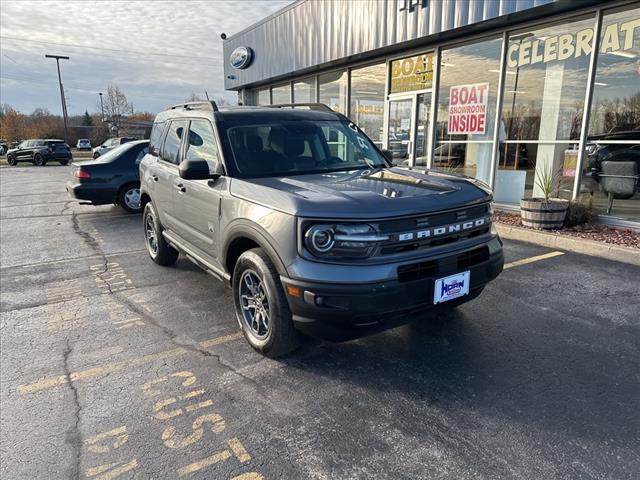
[[114, 367]]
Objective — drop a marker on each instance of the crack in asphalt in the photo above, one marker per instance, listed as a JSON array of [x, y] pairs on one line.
[[135, 308], [86, 236], [67, 205], [73, 435]]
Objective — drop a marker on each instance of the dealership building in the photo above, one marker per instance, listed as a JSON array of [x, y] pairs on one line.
[[507, 91]]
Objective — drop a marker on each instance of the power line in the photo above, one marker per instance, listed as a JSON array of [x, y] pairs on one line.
[[75, 45]]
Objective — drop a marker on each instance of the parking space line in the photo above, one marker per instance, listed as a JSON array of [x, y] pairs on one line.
[[537, 258], [46, 383]]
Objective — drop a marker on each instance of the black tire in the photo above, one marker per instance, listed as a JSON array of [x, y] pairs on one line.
[[95, 155], [38, 160], [280, 337], [160, 252], [127, 195], [11, 160], [64, 162]]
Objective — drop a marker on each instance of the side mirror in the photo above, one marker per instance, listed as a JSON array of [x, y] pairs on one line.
[[196, 169]]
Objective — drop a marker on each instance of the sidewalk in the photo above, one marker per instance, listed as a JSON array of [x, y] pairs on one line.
[[571, 244]]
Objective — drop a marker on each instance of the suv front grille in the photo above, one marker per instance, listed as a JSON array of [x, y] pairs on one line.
[[426, 231], [443, 266]]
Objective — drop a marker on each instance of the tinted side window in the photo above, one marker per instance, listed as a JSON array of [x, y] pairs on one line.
[[202, 143], [156, 138], [171, 148]]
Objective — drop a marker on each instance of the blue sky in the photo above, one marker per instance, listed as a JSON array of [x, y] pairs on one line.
[[157, 52]]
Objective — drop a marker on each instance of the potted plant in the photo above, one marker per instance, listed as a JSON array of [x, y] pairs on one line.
[[546, 212]]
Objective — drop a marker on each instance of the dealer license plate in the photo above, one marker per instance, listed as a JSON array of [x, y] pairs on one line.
[[453, 286]]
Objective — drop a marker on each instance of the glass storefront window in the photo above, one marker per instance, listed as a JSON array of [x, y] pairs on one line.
[[469, 76], [613, 140], [333, 90], [281, 94], [367, 100], [545, 84], [262, 96], [304, 91]]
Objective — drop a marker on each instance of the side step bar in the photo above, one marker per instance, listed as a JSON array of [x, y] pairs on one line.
[[174, 241]]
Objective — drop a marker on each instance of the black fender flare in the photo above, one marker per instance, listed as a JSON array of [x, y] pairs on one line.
[[256, 233]]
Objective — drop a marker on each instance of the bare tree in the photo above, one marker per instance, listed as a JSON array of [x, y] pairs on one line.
[[116, 104], [194, 98]]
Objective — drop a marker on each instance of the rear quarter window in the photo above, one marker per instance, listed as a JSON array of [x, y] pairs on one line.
[[156, 138]]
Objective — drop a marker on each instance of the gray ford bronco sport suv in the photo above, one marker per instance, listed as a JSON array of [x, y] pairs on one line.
[[311, 224]]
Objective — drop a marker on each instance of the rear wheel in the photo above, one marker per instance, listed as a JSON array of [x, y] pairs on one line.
[[261, 307], [95, 155], [64, 162], [129, 198], [159, 250], [11, 160], [39, 160]]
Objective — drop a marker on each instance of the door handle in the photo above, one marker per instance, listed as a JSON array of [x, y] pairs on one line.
[[180, 187], [154, 178]]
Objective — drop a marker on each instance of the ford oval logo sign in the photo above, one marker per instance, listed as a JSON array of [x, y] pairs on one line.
[[241, 57]]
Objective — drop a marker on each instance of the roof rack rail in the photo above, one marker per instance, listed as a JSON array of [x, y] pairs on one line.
[[204, 105], [310, 106]]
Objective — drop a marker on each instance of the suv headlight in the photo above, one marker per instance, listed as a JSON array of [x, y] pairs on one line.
[[341, 241]]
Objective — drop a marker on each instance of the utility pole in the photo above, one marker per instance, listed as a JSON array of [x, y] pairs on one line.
[[64, 104], [101, 107]]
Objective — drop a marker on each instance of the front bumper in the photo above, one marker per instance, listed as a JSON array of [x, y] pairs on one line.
[[342, 311]]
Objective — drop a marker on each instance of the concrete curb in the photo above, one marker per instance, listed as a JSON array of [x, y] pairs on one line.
[[571, 244]]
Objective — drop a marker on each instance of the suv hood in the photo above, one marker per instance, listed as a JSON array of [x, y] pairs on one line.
[[363, 193]]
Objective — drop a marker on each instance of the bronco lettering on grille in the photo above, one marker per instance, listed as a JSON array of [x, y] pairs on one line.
[[444, 230]]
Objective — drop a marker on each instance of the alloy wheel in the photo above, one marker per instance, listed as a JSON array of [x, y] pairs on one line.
[[132, 198], [151, 235], [254, 303]]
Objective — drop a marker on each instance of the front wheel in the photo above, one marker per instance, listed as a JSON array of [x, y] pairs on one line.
[[11, 160], [261, 307], [129, 198], [159, 250], [64, 162], [95, 155]]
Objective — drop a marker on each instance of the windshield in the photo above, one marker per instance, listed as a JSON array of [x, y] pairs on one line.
[[282, 148]]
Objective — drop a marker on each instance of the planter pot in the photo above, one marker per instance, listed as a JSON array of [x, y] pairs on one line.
[[536, 213]]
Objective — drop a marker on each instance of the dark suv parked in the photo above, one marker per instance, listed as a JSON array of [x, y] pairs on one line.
[[309, 222], [39, 152]]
